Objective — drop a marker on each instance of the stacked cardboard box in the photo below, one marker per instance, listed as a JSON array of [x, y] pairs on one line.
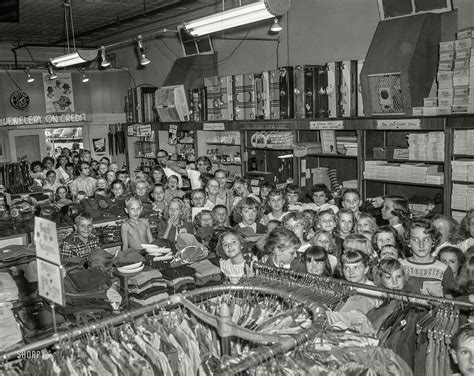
[[463, 141], [418, 173], [462, 196]]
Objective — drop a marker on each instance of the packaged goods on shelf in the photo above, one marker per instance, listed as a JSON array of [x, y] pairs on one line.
[[303, 149], [350, 184], [405, 172], [463, 170]]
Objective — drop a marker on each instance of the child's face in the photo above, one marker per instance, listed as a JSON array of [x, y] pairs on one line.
[[79, 198], [471, 227], [158, 194], [240, 190], [51, 178], [37, 168], [286, 254], [292, 198], [140, 189], [420, 243], [103, 168], [315, 267], [464, 356], [384, 238], [62, 193], [173, 183], [140, 175], [110, 176], [198, 200], [442, 225], [276, 202], [134, 209], [327, 223], [451, 260], [212, 187], [117, 190], [101, 183], [174, 210], [221, 178], [387, 209], [122, 177], [231, 245], [296, 226], [48, 165], [70, 170], [356, 272], [221, 215], [271, 227], [363, 225], [187, 202], [323, 240], [94, 164], [113, 167], [206, 220], [319, 198], [345, 223], [351, 201], [389, 251], [395, 281], [249, 215], [84, 228]]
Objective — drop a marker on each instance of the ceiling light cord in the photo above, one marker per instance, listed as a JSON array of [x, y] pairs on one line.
[[72, 25], [66, 24]]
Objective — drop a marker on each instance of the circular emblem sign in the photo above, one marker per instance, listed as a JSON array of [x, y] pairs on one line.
[[19, 100]]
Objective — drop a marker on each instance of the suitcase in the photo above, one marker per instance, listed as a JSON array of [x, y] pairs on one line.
[[213, 102], [274, 93], [226, 98], [259, 96], [349, 88], [299, 92], [195, 104], [311, 90], [286, 93], [322, 94], [334, 90], [244, 97], [360, 103]]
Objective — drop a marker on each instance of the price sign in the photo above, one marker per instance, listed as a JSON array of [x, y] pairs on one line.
[[50, 282], [399, 124], [326, 124], [46, 240], [213, 126]]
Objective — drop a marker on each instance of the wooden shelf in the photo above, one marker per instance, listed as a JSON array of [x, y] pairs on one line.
[[471, 156], [268, 149], [462, 182], [222, 143], [405, 183], [391, 160], [318, 155]]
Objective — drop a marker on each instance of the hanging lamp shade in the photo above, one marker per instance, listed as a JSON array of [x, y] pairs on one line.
[[243, 15]]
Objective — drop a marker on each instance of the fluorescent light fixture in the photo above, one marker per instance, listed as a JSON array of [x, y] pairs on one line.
[[141, 51], [261, 10], [105, 63], [286, 156], [52, 75], [29, 77], [276, 27], [84, 77], [77, 57]]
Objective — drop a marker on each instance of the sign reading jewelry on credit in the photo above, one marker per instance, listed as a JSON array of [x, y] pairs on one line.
[[43, 119]]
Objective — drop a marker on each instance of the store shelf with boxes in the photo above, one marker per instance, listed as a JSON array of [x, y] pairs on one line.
[[407, 157], [462, 166]]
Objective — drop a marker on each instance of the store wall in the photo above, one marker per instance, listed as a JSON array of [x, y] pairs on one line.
[[314, 31]]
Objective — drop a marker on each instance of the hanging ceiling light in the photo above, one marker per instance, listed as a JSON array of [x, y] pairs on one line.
[[84, 77], [77, 56], [261, 10], [52, 75], [105, 63], [276, 27], [29, 77], [141, 52]]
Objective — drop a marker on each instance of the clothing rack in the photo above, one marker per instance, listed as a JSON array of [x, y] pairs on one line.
[[285, 343], [275, 273]]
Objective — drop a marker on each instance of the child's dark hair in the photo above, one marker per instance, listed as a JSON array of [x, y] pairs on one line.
[[455, 251], [248, 202], [464, 232], [399, 242], [355, 256], [50, 172], [428, 228], [292, 188], [34, 164], [318, 253], [46, 159], [464, 281], [115, 182], [56, 193], [151, 192], [320, 188], [204, 177], [279, 239], [275, 222], [350, 190]]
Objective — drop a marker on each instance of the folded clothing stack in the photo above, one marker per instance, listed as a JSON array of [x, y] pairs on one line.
[[179, 278], [206, 272], [147, 287], [17, 253], [10, 333]]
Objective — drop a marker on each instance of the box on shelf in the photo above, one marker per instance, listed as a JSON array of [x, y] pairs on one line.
[[383, 152]]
